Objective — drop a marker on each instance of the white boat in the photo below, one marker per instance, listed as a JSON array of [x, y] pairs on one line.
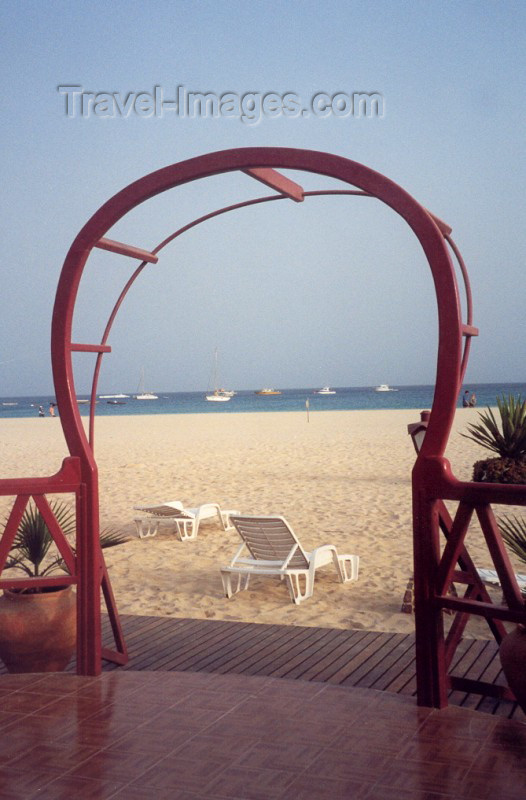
[[141, 394], [218, 395], [112, 396], [384, 387], [326, 390], [268, 391]]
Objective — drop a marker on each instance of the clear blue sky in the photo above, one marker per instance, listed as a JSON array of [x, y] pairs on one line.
[[326, 292]]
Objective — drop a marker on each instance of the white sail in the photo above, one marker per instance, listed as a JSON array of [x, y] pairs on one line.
[[141, 394], [218, 395]]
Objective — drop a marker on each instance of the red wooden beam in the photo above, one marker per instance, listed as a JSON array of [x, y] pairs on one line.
[[29, 583], [443, 227], [275, 180], [469, 686], [488, 610], [90, 348], [126, 250], [67, 479]]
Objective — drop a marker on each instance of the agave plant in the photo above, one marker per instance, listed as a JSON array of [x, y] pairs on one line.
[[511, 441], [33, 540], [513, 531]]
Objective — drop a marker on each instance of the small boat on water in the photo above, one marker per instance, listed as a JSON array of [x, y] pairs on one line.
[[141, 394], [268, 391], [325, 390], [112, 396], [384, 387], [218, 395], [116, 402]]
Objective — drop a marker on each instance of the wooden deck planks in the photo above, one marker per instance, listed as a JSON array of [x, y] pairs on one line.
[[383, 661], [235, 648], [348, 645], [485, 666], [398, 660], [368, 659], [371, 667], [292, 662], [268, 659]]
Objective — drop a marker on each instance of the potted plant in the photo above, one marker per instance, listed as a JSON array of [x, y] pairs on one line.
[[513, 646], [38, 625], [509, 466]]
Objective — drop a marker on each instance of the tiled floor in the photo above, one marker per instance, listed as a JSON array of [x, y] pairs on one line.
[[191, 736]]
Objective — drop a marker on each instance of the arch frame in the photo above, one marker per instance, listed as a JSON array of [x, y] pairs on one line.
[[433, 481], [425, 226], [428, 229]]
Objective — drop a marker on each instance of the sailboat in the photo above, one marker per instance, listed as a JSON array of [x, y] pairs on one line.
[[218, 395], [384, 387], [141, 394]]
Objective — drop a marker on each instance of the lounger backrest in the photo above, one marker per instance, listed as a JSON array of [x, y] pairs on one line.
[[270, 539], [174, 508]]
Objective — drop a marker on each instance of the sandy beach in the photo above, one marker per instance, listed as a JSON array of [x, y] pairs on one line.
[[342, 477]]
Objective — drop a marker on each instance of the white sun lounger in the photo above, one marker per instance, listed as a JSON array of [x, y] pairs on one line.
[[490, 576], [185, 521], [275, 550]]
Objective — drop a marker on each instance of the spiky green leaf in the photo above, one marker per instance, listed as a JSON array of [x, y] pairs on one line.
[[508, 441], [33, 540], [513, 531]]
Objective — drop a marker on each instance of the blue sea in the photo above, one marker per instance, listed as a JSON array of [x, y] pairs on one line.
[[346, 399]]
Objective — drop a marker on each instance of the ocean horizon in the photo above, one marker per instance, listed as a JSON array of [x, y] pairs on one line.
[[361, 398]]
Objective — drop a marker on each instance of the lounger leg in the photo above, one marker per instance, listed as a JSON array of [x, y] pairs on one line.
[[240, 585], [348, 568], [227, 583], [225, 519], [296, 595], [153, 526], [182, 526]]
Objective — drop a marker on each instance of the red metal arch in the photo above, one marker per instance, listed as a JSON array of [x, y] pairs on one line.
[[259, 163], [433, 481], [427, 228]]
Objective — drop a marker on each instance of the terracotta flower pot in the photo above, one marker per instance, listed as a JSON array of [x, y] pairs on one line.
[[38, 631], [513, 659]]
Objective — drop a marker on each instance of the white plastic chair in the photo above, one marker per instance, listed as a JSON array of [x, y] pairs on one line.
[[275, 550], [184, 520], [491, 576]]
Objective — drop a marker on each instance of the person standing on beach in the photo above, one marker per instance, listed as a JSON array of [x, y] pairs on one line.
[[41, 412], [473, 400], [465, 399], [52, 409]]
